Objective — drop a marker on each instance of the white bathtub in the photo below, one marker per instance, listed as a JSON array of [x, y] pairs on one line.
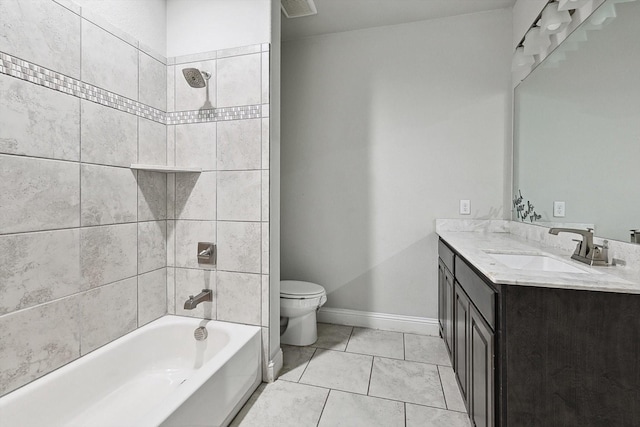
[[158, 375]]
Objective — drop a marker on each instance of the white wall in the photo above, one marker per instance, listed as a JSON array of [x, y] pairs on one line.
[[145, 20], [195, 26], [383, 131]]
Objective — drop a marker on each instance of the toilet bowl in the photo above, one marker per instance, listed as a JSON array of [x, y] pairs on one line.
[[299, 302]]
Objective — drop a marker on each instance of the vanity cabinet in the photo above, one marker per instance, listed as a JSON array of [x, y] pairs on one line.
[[530, 356], [446, 295], [471, 312]]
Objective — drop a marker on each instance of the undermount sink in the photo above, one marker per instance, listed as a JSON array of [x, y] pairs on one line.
[[534, 262]]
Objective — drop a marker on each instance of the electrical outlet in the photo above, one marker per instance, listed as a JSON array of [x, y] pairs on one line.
[[558, 209], [465, 207]]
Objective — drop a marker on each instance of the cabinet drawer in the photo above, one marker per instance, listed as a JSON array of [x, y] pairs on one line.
[[480, 293], [446, 255]]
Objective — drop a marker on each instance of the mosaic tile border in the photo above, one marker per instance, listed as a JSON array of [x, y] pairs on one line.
[[28, 71]]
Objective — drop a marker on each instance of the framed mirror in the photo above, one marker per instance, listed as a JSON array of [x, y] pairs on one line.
[[577, 127]]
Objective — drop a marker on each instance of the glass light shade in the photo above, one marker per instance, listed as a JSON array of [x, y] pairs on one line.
[[536, 43], [520, 60], [571, 4], [603, 15], [553, 21]]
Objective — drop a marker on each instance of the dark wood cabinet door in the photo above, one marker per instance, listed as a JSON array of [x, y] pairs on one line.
[[441, 291], [448, 313], [462, 324], [481, 373]]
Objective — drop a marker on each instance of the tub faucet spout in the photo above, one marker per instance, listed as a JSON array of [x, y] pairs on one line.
[[192, 302]]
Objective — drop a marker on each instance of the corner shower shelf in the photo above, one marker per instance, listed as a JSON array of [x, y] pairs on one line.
[[165, 169]]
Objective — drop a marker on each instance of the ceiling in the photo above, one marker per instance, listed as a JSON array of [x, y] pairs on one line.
[[335, 16]]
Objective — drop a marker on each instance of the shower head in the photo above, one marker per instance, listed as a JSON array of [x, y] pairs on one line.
[[195, 77]]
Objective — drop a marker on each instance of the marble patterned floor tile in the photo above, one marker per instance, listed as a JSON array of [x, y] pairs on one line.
[[452, 393], [423, 348], [333, 337], [376, 343], [296, 360], [354, 410], [423, 416], [406, 381], [338, 370], [282, 404]]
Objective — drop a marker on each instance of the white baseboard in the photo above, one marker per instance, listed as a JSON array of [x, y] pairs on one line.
[[387, 322], [274, 367]]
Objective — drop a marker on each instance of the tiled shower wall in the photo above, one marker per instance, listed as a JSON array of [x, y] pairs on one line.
[[228, 203], [84, 240]]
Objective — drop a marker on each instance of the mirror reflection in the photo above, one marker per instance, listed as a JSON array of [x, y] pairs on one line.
[[577, 128]]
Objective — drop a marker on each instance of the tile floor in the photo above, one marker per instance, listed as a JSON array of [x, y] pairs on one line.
[[356, 377]]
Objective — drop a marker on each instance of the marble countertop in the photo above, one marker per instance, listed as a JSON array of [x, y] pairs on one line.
[[476, 247]]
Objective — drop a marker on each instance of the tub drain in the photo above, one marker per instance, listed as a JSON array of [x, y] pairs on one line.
[[200, 333]]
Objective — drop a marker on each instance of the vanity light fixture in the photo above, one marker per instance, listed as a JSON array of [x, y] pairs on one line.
[[571, 4], [602, 16], [553, 20], [536, 43], [521, 61]]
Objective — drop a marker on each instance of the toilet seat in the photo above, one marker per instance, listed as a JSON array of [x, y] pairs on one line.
[[295, 289]]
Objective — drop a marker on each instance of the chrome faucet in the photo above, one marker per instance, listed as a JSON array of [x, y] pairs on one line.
[[586, 251], [192, 302]]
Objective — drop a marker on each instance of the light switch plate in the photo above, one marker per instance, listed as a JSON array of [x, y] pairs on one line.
[[558, 209], [465, 207]]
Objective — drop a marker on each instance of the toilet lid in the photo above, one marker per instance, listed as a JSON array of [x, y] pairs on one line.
[[298, 289]]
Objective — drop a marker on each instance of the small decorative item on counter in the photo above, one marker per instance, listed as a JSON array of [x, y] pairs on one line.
[[523, 212]]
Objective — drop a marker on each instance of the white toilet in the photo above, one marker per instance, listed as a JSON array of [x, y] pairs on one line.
[[299, 302]]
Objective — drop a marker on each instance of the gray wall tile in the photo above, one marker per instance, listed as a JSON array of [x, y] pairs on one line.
[[196, 145], [239, 80], [36, 268], [109, 195], [239, 246], [171, 290], [109, 136], [239, 195], [187, 236], [35, 341], [152, 196], [153, 82], [171, 145], [152, 142], [239, 144], [108, 312], [108, 253], [152, 296], [171, 243], [189, 98], [152, 245], [37, 121], [38, 194], [42, 32], [109, 62], [265, 195], [192, 282], [265, 248], [265, 77], [265, 143], [171, 88], [195, 196], [239, 297], [265, 300]]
